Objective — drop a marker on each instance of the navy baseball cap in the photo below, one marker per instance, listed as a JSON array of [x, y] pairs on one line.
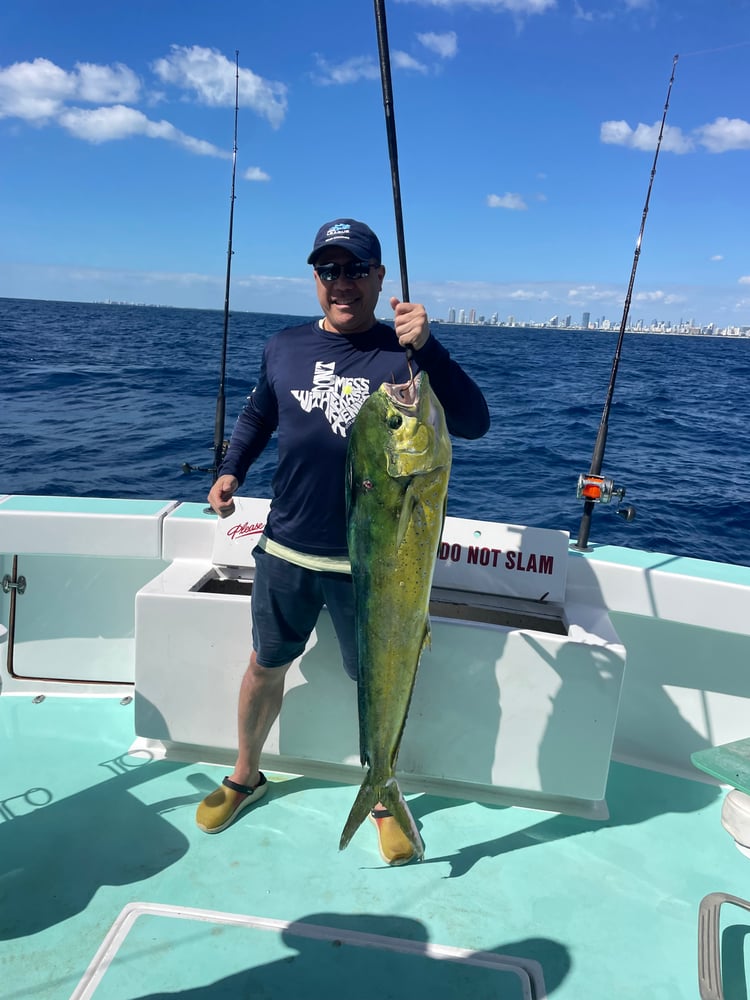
[[350, 235]]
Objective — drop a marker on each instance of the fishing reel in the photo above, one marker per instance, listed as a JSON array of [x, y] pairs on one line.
[[600, 489], [187, 468]]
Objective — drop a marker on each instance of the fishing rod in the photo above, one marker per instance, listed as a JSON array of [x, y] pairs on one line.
[[220, 444], [595, 488], [390, 127]]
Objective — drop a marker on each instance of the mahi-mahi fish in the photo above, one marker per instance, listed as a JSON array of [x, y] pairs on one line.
[[398, 465]]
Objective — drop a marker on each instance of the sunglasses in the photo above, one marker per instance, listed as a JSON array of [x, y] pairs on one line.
[[354, 270]]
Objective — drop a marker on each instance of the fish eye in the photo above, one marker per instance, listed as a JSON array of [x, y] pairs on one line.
[[395, 421]]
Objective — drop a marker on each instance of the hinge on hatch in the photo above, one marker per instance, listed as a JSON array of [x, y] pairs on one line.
[[9, 584]]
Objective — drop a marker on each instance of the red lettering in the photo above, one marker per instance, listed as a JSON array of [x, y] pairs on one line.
[[531, 563], [483, 556], [241, 530], [452, 552]]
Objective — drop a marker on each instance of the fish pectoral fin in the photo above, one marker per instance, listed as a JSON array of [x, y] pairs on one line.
[[426, 638], [411, 500]]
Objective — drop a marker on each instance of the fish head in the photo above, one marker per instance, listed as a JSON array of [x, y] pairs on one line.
[[415, 436]]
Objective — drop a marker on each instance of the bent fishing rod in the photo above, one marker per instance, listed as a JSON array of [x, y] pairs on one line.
[[220, 445], [595, 488], [390, 127]]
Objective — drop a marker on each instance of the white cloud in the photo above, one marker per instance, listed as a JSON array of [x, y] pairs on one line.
[[37, 91], [366, 67], [356, 68], [97, 125], [445, 45], [42, 93], [34, 91], [718, 137], [659, 297], [619, 133], [526, 295], [402, 60], [717, 256], [511, 6], [745, 279], [509, 200], [255, 174], [725, 134], [212, 78], [611, 12], [116, 84], [590, 293], [581, 14]]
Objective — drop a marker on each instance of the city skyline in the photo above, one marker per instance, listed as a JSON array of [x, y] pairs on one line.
[[462, 317]]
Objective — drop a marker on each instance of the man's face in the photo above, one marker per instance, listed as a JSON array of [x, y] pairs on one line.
[[348, 303]]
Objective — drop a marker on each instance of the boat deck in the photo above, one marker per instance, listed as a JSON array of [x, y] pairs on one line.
[[509, 902]]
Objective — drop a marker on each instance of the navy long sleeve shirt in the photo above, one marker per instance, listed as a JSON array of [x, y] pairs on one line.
[[311, 386]]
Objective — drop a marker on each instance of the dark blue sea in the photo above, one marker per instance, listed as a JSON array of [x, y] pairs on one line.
[[112, 400]]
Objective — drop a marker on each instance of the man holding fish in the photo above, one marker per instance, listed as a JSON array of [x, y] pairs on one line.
[[355, 518]]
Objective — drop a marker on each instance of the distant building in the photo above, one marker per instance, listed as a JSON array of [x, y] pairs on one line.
[[585, 319], [553, 321], [451, 315]]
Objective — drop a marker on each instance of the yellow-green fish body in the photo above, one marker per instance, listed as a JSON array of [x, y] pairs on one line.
[[398, 466]]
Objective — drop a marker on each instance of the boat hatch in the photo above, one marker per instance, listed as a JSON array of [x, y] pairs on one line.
[[487, 609], [451, 605], [213, 583]]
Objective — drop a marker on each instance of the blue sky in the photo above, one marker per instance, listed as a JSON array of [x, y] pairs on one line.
[[526, 134]]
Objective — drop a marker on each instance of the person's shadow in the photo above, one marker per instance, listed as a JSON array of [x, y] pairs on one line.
[[388, 957], [56, 856]]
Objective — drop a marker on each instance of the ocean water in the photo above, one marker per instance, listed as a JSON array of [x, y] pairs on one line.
[[111, 400]]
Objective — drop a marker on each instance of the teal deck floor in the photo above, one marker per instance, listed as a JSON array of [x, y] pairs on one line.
[[607, 909]]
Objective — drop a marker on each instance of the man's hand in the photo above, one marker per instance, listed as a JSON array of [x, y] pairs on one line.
[[411, 323], [221, 493]]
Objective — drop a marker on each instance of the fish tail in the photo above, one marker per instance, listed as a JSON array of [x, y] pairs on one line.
[[388, 795], [367, 799]]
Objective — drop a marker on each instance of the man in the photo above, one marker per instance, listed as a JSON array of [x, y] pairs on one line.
[[313, 380]]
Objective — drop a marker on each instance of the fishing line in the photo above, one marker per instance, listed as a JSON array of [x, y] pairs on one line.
[[595, 488], [722, 48], [390, 127]]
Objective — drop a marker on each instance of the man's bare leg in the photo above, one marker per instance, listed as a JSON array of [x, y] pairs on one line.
[[258, 706]]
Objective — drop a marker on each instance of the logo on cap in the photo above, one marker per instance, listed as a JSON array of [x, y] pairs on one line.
[[339, 230]]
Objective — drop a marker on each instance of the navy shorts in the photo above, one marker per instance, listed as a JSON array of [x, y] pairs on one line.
[[286, 603]]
